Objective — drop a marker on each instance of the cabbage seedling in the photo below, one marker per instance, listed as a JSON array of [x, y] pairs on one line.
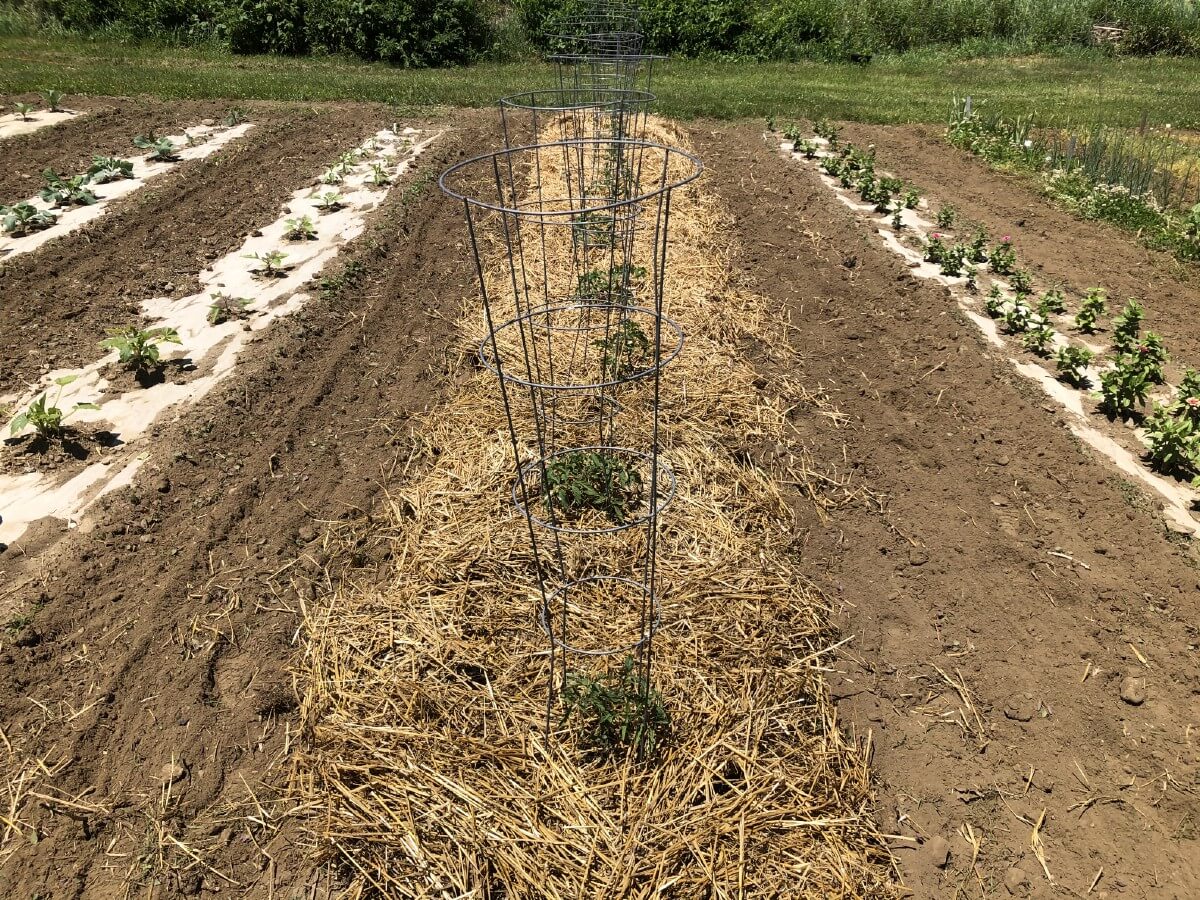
[[53, 100], [24, 109], [109, 168], [270, 265], [73, 191], [47, 418], [22, 218], [225, 309], [1124, 386], [330, 201], [301, 229], [1091, 310], [161, 149], [137, 348], [1072, 363]]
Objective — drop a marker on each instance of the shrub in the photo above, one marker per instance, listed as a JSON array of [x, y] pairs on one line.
[[267, 26], [409, 33]]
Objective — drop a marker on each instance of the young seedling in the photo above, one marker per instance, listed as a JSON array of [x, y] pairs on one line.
[[808, 148], [953, 260], [1003, 258], [138, 349], [1189, 386], [161, 149], [624, 352], [621, 712], [1123, 387], [109, 168], [46, 417], [1127, 326], [1038, 339], [1053, 302], [72, 191], [592, 480], [53, 100], [825, 129], [233, 116], [911, 198], [1091, 310], [301, 229], [1018, 318], [1072, 363], [978, 252], [24, 218], [1150, 355], [946, 216], [24, 109], [1021, 281], [993, 304], [333, 176], [935, 249], [270, 265], [330, 201], [898, 216], [226, 309], [1173, 441]]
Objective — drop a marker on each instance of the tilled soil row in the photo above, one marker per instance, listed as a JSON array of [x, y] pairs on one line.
[[1024, 647], [161, 639], [60, 300]]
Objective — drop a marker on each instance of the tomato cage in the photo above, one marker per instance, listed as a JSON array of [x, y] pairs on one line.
[[613, 71], [537, 117], [569, 242]]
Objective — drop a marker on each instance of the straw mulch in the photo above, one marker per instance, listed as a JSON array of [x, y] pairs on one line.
[[424, 698]]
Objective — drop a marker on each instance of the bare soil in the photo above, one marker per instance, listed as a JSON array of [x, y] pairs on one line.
[[1005, 584], [157, 637]]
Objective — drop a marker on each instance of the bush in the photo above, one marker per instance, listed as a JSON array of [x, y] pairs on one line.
[[407, 33], [267, 26]]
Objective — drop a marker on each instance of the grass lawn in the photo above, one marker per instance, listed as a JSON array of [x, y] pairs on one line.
[[1081, 86]]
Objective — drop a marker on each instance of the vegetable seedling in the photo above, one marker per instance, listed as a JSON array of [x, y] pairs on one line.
[[935, 249], [73, 191], [978, 247], [46, 417], [301, 229], [1091, 310], [953, 260], [825, 129], [333, 176], [1003, 258], [1123, 387], [808, 148], [379, 176], [1038, 340], [1151, 355], [1072, 363], [161, 149], [1018, 318], [53, 100], [24, 109], [23, 218], [226, 309], [946, 216], [270, 265], [591, 480], [1189, 386], [138, 349], [330, 201], [993, 304], [109, 168], [624, 352], [1053, 302], [1021, 281], [911, 198], [233, 116], [621, 712], [898, 216]]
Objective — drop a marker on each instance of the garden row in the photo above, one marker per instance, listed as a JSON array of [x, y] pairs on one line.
[[122, 394], [69, 201], [1048, 322], [22, 120]]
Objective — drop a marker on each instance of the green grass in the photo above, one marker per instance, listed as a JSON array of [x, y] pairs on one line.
[[917, 87]]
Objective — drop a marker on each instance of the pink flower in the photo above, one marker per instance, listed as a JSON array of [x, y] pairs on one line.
[[937, 235], [1006, 239], [1193, 402]]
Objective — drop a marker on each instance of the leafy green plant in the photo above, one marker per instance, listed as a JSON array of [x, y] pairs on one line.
[[330, 201], [300, 229], [1052, 302], [109, 168], [911, 198], [233, 116], [826, 129], [1189, 385], [808, 148], [953, 260], [978, 247], [624, 352], [1018, 317], [1123, 387], [1038, 339], [23, 218], [993, 304], [1003, 259], [1150, 354], [24, 109], [898, 216], [935, 249], [53, 100], [336, 175], [226, 309], [379, 176], [1021, 281], [1072, 363], [137, 348], [946, 216], [1173, 439], [1127, 326], [161, 149], [270, 264], [1090, 311], [583, 480], [45, 416], [73, 191], [620, 712]]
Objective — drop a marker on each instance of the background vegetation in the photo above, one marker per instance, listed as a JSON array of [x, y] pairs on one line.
[[415, 33]]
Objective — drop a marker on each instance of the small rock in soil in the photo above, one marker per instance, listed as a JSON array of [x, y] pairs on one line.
[[1133, 691], [918, 557], [1016, 882], [937, 851], [172, 773], [1019, 710]]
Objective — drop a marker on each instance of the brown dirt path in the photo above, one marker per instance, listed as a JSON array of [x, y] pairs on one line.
[[163, 629], [1057, 246], [1010, 585]]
